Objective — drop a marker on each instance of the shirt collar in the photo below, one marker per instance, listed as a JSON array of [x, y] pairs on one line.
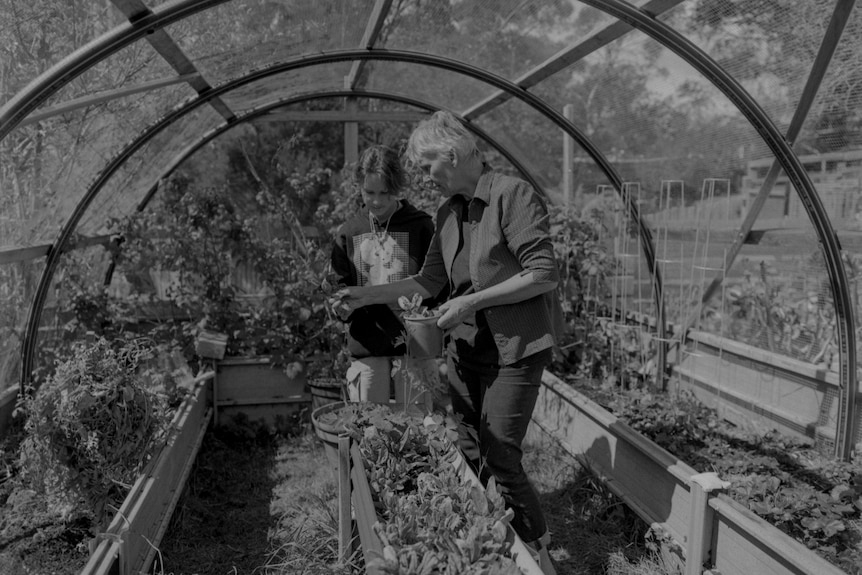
[[483, 186]]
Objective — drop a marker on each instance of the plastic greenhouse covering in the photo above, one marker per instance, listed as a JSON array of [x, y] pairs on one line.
[[734, 125]]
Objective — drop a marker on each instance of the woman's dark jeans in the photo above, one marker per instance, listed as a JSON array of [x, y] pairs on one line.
[[496, 403]]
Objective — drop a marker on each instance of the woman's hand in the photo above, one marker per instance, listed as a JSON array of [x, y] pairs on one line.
[[456, 310]]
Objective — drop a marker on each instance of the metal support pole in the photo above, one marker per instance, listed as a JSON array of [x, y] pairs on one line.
[[351, 134], [568, 160]]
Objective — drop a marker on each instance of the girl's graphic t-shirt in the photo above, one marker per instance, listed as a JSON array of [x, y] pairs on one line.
[[381, 257]]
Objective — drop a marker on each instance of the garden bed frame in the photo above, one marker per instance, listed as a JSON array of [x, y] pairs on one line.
[[258, 389], [130, 544], [712, 532], [759, 390], [353, 488]]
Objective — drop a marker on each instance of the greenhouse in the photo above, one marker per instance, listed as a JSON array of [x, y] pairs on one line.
[[176, 182]]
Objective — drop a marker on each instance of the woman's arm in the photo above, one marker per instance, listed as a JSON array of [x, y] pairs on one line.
[[517, 288]]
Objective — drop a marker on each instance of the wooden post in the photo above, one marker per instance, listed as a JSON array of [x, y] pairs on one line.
[[351, 134], [568, 160], [700, 527], [345, 526]]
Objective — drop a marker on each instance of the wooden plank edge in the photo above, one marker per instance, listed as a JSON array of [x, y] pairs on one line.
[[150, 513], [619, 489], [767, 357], [778, 547], [269, 400], [177, 491], [780, 416], [113, 535], [614, 426], [658, 462], [365, 514]]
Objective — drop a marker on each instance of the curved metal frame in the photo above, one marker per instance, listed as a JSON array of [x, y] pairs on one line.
[[52, 260], [796, 173], [263, 110], [49, 82], [298, 98]]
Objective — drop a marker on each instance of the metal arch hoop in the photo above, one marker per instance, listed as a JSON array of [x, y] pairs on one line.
[[795, 171], [299, 98], [339, 56], [263, 110], [49, 82]]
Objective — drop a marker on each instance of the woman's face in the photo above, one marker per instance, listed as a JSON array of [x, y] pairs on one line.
[[377, 198], [439, 172]]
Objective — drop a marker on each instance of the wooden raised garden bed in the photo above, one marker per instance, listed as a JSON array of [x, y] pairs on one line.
[[712, 532], [356, 505], [761, 390], [130, 543], [258, 389]]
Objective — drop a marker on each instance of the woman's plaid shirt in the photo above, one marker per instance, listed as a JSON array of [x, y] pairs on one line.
[[509, 234]]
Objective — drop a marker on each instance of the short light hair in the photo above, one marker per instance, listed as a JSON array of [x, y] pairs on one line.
[[439, 134], [384, 162]]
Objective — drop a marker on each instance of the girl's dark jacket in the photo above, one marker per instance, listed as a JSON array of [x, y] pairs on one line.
[[370, 254]]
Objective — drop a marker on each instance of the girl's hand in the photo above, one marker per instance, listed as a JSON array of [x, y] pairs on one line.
[[347, 299]]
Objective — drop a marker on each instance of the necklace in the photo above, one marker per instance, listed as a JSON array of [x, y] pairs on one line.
[[379, 236]]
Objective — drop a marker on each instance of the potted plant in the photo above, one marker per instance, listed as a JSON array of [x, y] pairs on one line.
[[424, 338]]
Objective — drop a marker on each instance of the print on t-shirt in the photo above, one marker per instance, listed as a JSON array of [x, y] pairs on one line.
[[381, 258]]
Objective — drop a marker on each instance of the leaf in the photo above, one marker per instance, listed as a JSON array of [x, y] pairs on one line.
[[404, 303]]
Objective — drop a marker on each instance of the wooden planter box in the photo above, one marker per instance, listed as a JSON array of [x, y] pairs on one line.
[[760, 390], [129, 545], [254, 387], [353, 489], [709, 529]]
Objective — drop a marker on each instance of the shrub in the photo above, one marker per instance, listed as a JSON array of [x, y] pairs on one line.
[[90, 429]]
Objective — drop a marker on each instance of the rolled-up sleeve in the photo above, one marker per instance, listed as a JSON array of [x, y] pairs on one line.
[[526, 226], [433, 276]]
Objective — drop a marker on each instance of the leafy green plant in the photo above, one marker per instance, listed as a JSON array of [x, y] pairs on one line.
[[247, 270], [768, 311], [431, 520], [413, 307], [599, 340], [90, 429]]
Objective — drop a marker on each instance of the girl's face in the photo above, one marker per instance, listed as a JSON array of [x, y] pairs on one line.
[[379, 201]]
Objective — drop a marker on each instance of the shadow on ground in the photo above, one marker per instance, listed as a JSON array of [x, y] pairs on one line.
[[222, 521]]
